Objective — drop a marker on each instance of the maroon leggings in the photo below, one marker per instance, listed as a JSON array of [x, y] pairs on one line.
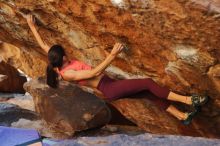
[[113, 89]]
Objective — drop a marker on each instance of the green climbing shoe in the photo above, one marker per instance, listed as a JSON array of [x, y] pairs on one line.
[[199, 100], [190, 116]]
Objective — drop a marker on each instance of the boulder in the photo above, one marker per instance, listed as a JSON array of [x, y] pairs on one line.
[[10, 79], [146, 113], [68, 108]]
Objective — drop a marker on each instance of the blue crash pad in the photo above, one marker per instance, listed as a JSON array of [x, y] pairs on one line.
[[17, 136]]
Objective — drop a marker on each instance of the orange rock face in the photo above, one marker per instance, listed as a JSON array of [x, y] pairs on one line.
[[174, 42], [146, 114]]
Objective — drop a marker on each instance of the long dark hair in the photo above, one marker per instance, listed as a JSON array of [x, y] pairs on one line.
[[55, 57]]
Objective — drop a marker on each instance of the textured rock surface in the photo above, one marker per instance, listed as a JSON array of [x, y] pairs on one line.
[[25, 101], [141, 140], [175, 42], [146, 114], [22, 100], [10, 113], [68, 109], [18, 112], [10, 79]]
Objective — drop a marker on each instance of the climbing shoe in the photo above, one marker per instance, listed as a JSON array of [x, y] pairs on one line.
[[199, 100], [190, 116]]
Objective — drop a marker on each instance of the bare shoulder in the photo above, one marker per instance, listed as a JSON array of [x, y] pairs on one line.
[[68, 74]]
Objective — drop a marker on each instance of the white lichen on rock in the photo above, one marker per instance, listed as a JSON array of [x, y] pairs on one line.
[[186, 52], [194, 57]]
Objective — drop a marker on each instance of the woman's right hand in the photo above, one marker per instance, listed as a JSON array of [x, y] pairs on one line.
[[117, 49], [30, 20]]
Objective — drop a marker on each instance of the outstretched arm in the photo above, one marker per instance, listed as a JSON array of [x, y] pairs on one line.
[[31, 23], [72, 75]]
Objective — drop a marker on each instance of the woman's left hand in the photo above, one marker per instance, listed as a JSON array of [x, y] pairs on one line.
[[30, 20], [118, 47]]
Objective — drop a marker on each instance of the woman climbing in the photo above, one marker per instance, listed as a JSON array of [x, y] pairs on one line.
[[76, 71]]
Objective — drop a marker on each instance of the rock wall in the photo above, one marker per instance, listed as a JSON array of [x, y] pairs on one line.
[[10, 79], [175, 42], [146, 114], [29, 61]]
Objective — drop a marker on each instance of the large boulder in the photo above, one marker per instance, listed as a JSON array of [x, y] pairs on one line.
[[67, 109], [175, 42], [10, 79], [145, 111], [148, 112]]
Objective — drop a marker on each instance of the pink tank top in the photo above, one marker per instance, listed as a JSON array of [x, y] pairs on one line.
[[76, 65]]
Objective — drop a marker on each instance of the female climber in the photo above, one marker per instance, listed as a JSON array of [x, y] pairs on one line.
[[75, 71]]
